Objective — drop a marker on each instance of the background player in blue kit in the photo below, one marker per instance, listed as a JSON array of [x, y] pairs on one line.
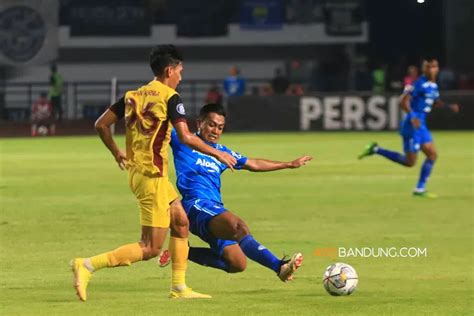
[[198, 180], [416, 102]]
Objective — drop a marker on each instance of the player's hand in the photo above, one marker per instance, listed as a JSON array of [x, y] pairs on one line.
[[454, 107], [300, 162], [121, 159], [227, 159], [416, 123]]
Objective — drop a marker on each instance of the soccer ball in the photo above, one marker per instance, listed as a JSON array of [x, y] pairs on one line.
[[42, 130], [340, 279]]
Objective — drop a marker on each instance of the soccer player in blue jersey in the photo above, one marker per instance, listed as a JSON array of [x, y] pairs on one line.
[[416, 101], [199, 182]]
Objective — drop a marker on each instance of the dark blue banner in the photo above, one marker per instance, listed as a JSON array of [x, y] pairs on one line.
[[262, 14]]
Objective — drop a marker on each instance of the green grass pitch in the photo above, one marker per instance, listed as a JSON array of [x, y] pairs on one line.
[[65, 197]]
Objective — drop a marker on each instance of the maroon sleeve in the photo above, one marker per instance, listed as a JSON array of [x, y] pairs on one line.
[[118, 108], [176, 111]]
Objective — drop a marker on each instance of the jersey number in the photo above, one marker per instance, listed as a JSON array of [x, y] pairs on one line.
[[146, 122]]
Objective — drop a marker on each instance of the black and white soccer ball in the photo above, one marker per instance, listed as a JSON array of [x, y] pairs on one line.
[[340, 279]]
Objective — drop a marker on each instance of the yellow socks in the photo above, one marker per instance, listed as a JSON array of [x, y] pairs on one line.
[[122, 256], [179, 250], [98, 262]]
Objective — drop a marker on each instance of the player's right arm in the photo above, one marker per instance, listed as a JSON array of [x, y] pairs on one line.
[[262, 165], [191, 140], [102, 126], [405, 99]]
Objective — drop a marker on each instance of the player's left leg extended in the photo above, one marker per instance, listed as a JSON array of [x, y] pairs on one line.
[[232, 259], [148, 247], [431, 154], [407, 160], [229, 226]]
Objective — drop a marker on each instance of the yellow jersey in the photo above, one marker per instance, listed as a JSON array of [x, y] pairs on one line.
[[149, 112]]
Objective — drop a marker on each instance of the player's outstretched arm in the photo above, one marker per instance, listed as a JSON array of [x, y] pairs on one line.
[[261, 165], [102, 125], [191, 140], [453, 107]]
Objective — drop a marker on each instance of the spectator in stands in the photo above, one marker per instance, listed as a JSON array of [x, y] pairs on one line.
[[296, 89], [56, 92], [266, 90], [234, 85], [42, 119], [411, 76], [378, 79], [280, 83], [213, 95]]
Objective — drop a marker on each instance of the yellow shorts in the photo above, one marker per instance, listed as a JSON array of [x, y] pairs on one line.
[[154, 196]]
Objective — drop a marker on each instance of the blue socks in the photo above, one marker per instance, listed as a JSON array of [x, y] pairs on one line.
[[259, 253], [392, 155], [251, 248], [399, 158], [424, 174], [206, 257]]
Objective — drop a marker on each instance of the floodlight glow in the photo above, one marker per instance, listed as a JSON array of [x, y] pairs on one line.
[[420, 1]]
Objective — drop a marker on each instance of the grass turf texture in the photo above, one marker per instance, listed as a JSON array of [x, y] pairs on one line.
[[65, 197]]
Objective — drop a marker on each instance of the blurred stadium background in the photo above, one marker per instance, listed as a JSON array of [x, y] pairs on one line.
[[341, 62]]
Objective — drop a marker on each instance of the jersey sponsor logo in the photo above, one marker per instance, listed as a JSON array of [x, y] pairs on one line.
[[207, 164], [208, 156], [180, 109]]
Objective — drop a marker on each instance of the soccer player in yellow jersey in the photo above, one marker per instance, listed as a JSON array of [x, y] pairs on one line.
[[150, 113]]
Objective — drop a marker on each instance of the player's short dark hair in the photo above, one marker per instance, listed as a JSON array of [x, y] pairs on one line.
[[163, 56], [429, 59], [211, 108]]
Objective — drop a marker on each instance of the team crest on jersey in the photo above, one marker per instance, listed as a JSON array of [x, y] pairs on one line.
[[236, 155], [180, 109]]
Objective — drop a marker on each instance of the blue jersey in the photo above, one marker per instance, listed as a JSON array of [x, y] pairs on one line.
[[423, 94], [199, 175], [234, 86]]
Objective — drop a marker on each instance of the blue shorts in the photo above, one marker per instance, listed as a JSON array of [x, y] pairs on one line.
[[200, 212], [412, 141]]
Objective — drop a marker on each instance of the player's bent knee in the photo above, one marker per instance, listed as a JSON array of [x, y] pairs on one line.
[[179, 225], [236, 266], [150, 252], [240, 229], [180, 228], [410, 163]]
